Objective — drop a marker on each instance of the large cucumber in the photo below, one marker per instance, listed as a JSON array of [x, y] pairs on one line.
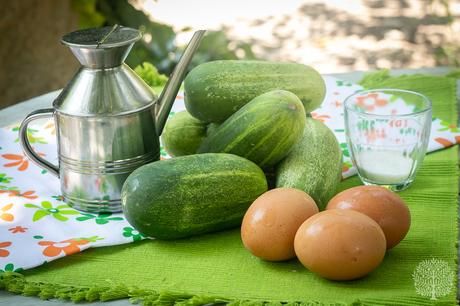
[[263, 131], [183, 134], [215, 90], [191, 195], [314, 165]]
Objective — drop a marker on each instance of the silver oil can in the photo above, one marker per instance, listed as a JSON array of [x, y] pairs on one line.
[[108, 121]]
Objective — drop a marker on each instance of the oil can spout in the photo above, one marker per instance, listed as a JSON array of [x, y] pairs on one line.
[[168, 95]]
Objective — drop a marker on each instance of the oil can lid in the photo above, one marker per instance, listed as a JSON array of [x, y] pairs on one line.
[[105, 37], [104, 47]]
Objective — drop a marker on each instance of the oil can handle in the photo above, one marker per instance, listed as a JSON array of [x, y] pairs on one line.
[[27, 147]]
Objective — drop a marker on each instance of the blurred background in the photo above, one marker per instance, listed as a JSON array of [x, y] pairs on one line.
[[330, 35]]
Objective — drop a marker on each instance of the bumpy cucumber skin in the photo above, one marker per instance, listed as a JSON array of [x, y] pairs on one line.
[[183, 134], [263, 131], [314, 165], [191, 195], [217, 89]]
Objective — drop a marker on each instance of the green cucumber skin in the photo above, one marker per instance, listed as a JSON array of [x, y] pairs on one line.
[[314, 165], [212, 127], [217, 89], [183, 134], [263, 131], [191, 195]]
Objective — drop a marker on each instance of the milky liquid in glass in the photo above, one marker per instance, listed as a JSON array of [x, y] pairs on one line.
[[387, 135], [385, 166]]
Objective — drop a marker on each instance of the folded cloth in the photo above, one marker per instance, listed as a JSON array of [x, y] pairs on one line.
[[37, 226]]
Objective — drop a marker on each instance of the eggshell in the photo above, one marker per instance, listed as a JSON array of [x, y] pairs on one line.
[[382, 205], [340, 244], [270, 224]]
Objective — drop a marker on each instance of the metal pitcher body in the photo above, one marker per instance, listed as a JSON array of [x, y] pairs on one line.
[[109, 135], [96, 155], [105, 126]]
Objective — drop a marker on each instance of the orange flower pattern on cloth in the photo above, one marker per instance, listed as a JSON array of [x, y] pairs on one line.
[[41, 219], [4, 215], [50, 127], [322, 118], [18, 160], [370, 101], [16, 193], [444, 142], [11, 193], [3, 245], [27, 194], [338, 104], [346, 166], [68, 247], [18, 229]]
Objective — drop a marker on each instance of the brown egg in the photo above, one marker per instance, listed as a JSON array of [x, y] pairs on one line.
[[340, 244], [270, 224], [382, 205]]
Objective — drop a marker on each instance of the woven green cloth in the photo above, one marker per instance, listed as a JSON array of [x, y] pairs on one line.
[[216, 267]]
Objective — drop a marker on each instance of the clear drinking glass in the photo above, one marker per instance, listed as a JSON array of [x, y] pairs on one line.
[[387, 134]]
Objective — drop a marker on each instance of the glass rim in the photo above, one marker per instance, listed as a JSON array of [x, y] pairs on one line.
[[428, 104]]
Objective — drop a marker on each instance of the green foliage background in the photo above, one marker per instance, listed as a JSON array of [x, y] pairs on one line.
[[162, 51]]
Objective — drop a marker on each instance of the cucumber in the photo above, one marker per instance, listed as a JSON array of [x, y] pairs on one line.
[[217, 89], [191, 195], [263, 131], [212, 127], [183, 134], [314, 165]]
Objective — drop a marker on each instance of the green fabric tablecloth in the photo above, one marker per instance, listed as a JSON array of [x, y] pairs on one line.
[[217, 268]]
